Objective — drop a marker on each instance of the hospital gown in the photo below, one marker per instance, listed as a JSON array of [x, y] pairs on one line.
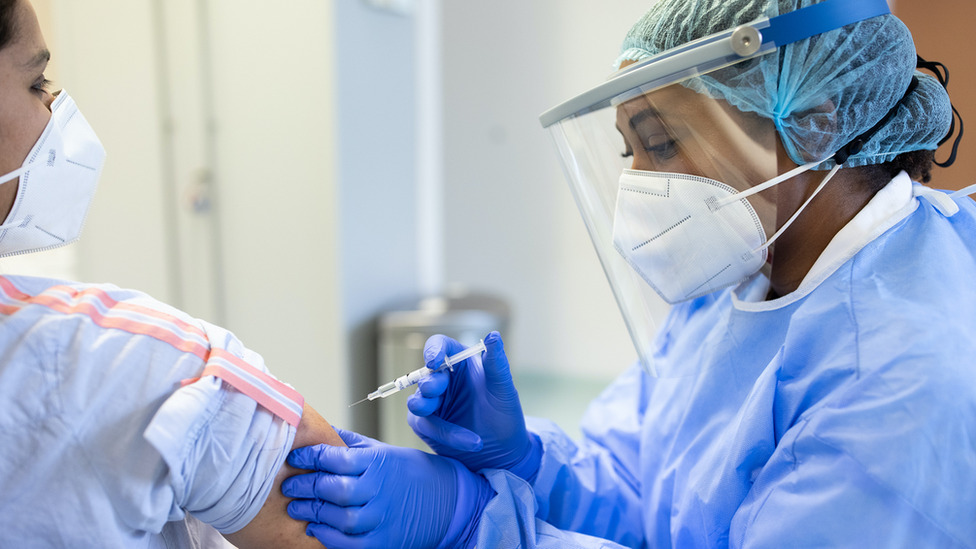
[[841, 415], [121, 415]]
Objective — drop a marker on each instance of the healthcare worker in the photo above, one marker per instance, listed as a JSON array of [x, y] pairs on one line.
[[757, 164], [125, 423]]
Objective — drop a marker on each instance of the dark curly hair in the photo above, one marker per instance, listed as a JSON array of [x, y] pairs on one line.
[[7, 27], [918, 164]]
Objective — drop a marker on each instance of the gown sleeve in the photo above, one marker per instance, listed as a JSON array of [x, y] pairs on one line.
[[828, 498], [586, 494], [881, 463]]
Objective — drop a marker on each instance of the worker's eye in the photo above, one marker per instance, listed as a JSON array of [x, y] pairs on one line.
[[42, 86], [662, 150]]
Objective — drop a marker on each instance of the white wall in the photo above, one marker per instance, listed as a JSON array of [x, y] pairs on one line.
[[274, 119], [125, 237], [243, 92], [377, 210], [512, 226]]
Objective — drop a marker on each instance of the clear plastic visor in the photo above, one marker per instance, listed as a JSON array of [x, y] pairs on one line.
[[635, 166]]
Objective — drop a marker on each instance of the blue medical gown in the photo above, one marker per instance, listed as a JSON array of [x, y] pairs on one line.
[[844, 418]]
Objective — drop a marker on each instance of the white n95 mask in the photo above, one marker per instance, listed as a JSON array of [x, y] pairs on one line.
[[671, 229], [57, 182], [688, 236]]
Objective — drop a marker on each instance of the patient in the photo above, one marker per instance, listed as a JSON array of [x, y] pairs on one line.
[[126, 423], [130, 424]]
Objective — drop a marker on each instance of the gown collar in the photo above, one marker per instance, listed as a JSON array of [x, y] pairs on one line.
[[890, 205]]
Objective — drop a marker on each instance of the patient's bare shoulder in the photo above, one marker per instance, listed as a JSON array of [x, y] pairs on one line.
[[272, 527]]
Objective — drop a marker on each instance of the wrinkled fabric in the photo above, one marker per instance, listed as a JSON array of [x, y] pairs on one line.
[[838, 417], [821, 92], [500, 527], [102, 447], [222, 450], [190, 533]]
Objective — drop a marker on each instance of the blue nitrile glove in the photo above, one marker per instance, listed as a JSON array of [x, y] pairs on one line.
[[473, 414], [376, 495]]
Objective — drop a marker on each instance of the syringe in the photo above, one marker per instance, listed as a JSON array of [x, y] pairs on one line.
[[415, 376]]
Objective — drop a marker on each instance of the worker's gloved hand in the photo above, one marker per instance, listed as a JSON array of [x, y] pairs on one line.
[[473, 414], [376, 495]]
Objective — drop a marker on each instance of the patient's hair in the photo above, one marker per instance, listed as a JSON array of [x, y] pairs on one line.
[[7, 29]]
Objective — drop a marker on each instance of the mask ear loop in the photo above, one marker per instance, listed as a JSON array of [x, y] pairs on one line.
[[15, 174], [775, 181], [6, 178], [719, 204], [799, 210]]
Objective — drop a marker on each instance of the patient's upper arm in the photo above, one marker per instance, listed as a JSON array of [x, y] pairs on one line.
[[272, 527]]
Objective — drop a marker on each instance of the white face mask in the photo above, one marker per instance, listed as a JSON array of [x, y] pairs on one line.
[[57, 182], [689, 236]]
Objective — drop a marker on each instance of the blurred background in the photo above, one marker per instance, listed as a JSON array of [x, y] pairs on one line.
[[334, 180]]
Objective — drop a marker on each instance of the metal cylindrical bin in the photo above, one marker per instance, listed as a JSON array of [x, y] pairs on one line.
[[402, 334]]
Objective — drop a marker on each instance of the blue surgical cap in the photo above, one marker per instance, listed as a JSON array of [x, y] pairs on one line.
[[821, 92]]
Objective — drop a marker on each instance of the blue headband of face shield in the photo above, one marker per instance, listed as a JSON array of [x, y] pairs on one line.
[[855, 56], [718, 50]]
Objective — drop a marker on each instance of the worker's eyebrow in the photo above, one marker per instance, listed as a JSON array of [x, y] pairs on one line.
[[640, 116], [39, 59], [643, 115]]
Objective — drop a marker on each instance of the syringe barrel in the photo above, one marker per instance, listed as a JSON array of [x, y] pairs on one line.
[[413, 377]]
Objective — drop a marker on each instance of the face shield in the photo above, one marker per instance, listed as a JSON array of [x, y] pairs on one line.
[[676, 185]]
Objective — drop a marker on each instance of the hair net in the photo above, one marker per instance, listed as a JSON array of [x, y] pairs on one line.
[[821, 92]]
